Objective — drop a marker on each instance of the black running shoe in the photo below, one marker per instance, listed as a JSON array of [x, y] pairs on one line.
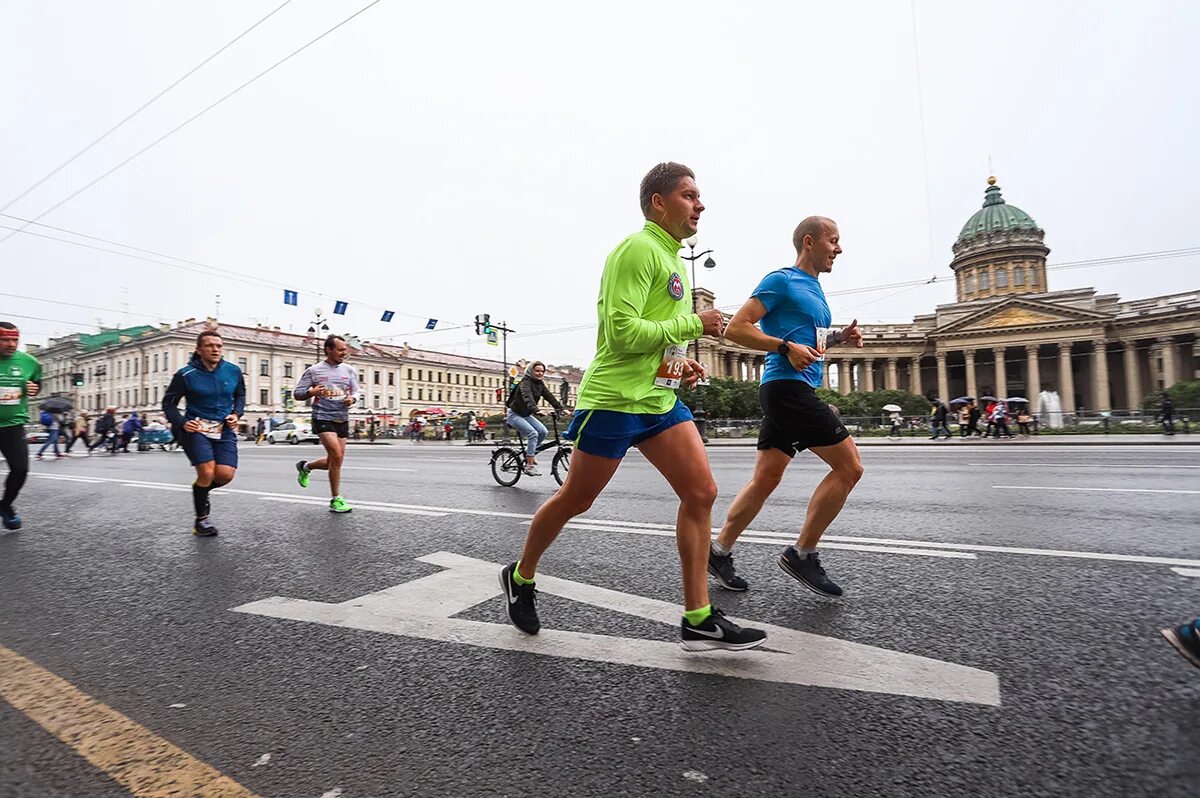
[[718, 632], [721, 567], [203, 529], [521, 601], [808, 572], [1186, 639]]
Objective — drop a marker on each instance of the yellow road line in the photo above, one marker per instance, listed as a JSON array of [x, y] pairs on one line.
[[129, 753]]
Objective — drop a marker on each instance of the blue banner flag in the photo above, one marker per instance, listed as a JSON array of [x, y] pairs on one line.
[[290, 297], [387, 315], [429, 325], [339, 308]]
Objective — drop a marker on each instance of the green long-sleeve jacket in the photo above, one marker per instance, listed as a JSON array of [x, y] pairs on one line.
[[644, 306]]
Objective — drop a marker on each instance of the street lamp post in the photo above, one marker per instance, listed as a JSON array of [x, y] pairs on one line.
[[709, 263], [318, 329]]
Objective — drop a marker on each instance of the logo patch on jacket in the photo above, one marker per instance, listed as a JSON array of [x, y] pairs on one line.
[[675, 286]]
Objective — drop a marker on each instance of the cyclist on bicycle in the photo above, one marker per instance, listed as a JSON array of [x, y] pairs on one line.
[[522, 412]]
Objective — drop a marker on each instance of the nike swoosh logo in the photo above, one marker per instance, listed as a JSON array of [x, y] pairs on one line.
[[718, 634], [508, 591]]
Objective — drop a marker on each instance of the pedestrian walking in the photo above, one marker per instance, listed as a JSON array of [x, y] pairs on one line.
[[106, 427], [1000, 420], [793, 319], [129, 428], [80, 430], [53, 422], [333, 387], [938, 414], [522, 410], [1166, 410], [260, 431], [895, 420], [215, 391], [627, 398], [973, 420], [20, 379]]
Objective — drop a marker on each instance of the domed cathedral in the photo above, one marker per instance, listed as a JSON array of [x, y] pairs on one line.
[[1008, 334], [1000, 251]]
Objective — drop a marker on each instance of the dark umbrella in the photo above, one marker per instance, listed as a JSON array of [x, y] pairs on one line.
[[962, 400], [56, 404], [988, 399]]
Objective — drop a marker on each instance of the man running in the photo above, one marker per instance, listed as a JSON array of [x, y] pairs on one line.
[[794, 317], [333, 387], [627, 398], [20, 378], [216, 397]]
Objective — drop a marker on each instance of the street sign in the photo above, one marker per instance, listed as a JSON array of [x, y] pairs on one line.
[[493, 338], [425, 608]]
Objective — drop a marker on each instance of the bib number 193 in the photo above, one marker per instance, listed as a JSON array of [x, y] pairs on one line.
[[670, 370]]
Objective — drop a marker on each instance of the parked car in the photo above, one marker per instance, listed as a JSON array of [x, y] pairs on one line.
[[36, 433], [290, 432]]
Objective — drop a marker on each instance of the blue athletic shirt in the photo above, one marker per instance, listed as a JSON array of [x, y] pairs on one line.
[[796, 307]]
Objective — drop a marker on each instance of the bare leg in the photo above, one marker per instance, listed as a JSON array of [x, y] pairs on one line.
[[829, 497], [586, 479], [204, 474], [679, 455], [335, 453], [222, 475], [768, 471]]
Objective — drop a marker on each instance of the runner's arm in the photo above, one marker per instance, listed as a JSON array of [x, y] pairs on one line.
[[743, 328], [623, 302], [303, 386], [239, 396], [170, 403]]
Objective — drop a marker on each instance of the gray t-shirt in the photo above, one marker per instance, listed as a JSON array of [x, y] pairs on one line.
[[341, 379]]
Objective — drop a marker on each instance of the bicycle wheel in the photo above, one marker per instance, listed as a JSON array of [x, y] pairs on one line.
[[507, 466], [561, 464]]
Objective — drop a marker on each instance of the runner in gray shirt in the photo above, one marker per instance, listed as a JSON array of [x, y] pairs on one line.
[[333, 387]]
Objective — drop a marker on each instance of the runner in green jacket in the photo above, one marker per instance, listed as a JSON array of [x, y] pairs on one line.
[[627, 398], [20, 378]]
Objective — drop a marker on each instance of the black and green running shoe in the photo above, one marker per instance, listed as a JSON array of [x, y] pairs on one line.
[[302, 473]]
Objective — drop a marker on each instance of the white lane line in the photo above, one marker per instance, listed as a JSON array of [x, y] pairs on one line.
[[1094, 490], [670, 533], [358, 504], [1114, 466], [1187, 571], [376, 468], [179, 488], [65, 477]]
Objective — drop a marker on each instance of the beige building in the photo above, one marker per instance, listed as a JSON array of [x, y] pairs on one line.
[[1008, 334], [131, 368]]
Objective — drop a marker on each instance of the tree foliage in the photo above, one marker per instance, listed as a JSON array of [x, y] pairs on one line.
[[1183, 394], [729, 398]]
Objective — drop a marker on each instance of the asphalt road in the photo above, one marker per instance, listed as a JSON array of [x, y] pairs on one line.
[[1039, 575]]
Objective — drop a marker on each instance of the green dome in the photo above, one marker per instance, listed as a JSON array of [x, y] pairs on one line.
[[996, 216]]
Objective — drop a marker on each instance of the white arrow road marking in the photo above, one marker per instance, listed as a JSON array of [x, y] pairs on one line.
[[1187, 571], [1093, 490], [795, 657]]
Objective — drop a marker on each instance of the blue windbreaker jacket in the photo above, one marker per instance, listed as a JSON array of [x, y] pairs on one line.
[[212, 395]]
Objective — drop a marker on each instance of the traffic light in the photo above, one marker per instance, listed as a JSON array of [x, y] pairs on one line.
[[499, 394], [483, 324], [77, 379]]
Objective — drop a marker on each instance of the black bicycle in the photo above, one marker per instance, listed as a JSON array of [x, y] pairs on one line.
[[508, 461]]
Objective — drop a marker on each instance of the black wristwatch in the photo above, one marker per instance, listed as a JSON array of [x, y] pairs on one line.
[[782, 348]]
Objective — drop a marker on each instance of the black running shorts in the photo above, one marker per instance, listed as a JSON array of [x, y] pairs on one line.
[[342, 428], [795, 419]]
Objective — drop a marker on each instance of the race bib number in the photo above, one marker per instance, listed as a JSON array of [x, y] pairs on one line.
[[334, 391], [10, 396], [670, 370], [211, 429], [822, 342]]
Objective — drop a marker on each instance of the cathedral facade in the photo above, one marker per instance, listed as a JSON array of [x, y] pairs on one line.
[[1008, 334]]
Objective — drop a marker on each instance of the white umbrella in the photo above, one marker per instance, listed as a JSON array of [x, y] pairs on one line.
[[1016, 399], [892, 408]]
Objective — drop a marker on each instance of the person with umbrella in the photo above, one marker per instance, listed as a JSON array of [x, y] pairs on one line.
[[894, 418], [20, 378], [938, 413], [52, 417]]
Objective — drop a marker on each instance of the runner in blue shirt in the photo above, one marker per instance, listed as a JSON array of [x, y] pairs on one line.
[[793, 317]]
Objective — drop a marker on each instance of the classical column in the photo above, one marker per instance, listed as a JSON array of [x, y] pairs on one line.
[[892, 381], [825, 374], [943, 380], [1066, 380], [1133, 380], [868, 371], [844, 378], [970, 357], [914, 376], [1033, 378], [741, 367], [1169, 371], [1001, 373], [1196, 358], [1100, 391]]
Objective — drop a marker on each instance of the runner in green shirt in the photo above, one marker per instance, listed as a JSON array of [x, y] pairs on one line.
[[627, 398], [20, 378]]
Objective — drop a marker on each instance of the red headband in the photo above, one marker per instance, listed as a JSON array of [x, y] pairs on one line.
[[7, 333]]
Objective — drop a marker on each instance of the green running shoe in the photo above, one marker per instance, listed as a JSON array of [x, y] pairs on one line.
[[302, 476], [338, 505]]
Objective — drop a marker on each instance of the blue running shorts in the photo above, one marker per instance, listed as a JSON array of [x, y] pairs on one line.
[[609, 433], [200, 449]]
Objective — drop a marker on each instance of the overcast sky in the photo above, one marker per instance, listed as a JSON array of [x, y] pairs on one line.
[[448, 159]]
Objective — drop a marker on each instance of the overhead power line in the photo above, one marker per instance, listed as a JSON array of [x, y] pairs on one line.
[[139, 109], [195, 116]]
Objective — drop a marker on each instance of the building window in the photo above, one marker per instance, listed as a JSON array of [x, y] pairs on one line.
[[983, 281], [1033, 277], [264, 396], [243, 364], [474, 379], [410, 392], [969, 284], [1019, 276], [264, 368], [377, 381], [376, 402], [156, 361], [1002, 279], [135, 365], [439, 376], [420, 394], [409, 374], [287, 369]]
